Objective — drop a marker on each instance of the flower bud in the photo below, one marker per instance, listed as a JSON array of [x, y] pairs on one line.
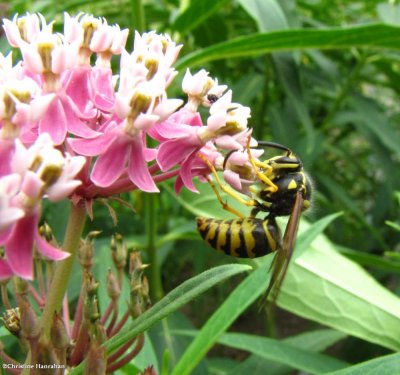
[[96, 363], [86, 250], [119, 251], [30, 327], [113, 288], [149, 371], [12, 321], [59, 336]]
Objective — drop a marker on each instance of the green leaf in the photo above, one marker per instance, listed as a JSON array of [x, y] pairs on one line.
[[386, 365], [178, 297], [326, 287], [195, 14], [234, 305], [306, 238], [371, 260], [282, 352], [313, 341], [374, 35], [267, 13]]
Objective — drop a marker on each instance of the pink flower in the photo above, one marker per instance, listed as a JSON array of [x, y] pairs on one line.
[[9, 214], [194, 166], [118, 153], [198, 87], [238, 171], [180, 134], [18, 244], [94, 35], [35, 172]]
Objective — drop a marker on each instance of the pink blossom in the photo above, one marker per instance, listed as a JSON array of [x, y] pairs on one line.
[[238, 171], [118, 153], [18, 244], [180, 132], [198, 87], [45, 171], [194, 166], [9, 187], [35, 172], [25, 28]]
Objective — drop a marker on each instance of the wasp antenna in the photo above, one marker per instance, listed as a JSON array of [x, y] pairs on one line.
[[274, 145], [227, 156]]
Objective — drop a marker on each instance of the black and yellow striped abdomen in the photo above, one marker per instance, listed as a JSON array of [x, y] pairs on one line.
[[243, 238]]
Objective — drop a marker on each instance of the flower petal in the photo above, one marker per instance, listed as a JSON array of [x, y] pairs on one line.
[[19, 246], [54, 122], [5, 270], [49, 250], [92, 146], [138, 171], [110, 165], [175, 151]]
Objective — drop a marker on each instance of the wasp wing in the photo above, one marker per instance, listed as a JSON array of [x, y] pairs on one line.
[[282, 258]]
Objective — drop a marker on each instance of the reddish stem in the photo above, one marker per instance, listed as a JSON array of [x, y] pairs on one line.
[[65, 311], [38, 299], [116, 365], [81, 345], [113, 321], [107, 313], [77, 318], [120, 324]]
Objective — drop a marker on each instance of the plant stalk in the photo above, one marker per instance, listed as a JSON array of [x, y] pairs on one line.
[[59, 284], [138, 17], [156, 290]]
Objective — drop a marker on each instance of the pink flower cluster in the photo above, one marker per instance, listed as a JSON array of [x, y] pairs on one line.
[[69, 127]]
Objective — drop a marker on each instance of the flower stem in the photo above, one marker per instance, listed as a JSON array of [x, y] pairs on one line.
[[138, 18], [156, 290], [58, 287]]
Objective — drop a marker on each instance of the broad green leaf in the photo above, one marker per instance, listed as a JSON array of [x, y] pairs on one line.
[[306, 238], [195, 14], [245, 294], [386, 365], [279, 351], [178, 297], [326, 287], [373, 35]]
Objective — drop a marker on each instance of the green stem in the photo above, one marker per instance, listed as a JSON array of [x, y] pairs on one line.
[[59, 284], [156, 290], [138, 18]]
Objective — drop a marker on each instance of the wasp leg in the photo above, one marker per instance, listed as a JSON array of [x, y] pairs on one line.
[[224, 205], [226, 189], [257, 165]]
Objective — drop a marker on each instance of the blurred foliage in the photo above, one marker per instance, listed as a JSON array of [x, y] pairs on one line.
[[338, 108]]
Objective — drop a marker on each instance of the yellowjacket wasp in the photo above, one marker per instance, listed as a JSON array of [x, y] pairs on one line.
[[285, 190]]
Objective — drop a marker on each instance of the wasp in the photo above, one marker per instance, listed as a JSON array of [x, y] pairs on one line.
[[285, 190]]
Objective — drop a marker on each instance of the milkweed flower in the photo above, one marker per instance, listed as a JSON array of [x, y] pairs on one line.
[[36, 172], [70, 127], [140, 102], [183, 134]]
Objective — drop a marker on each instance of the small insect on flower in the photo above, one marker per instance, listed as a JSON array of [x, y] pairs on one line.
[[284, 190]]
